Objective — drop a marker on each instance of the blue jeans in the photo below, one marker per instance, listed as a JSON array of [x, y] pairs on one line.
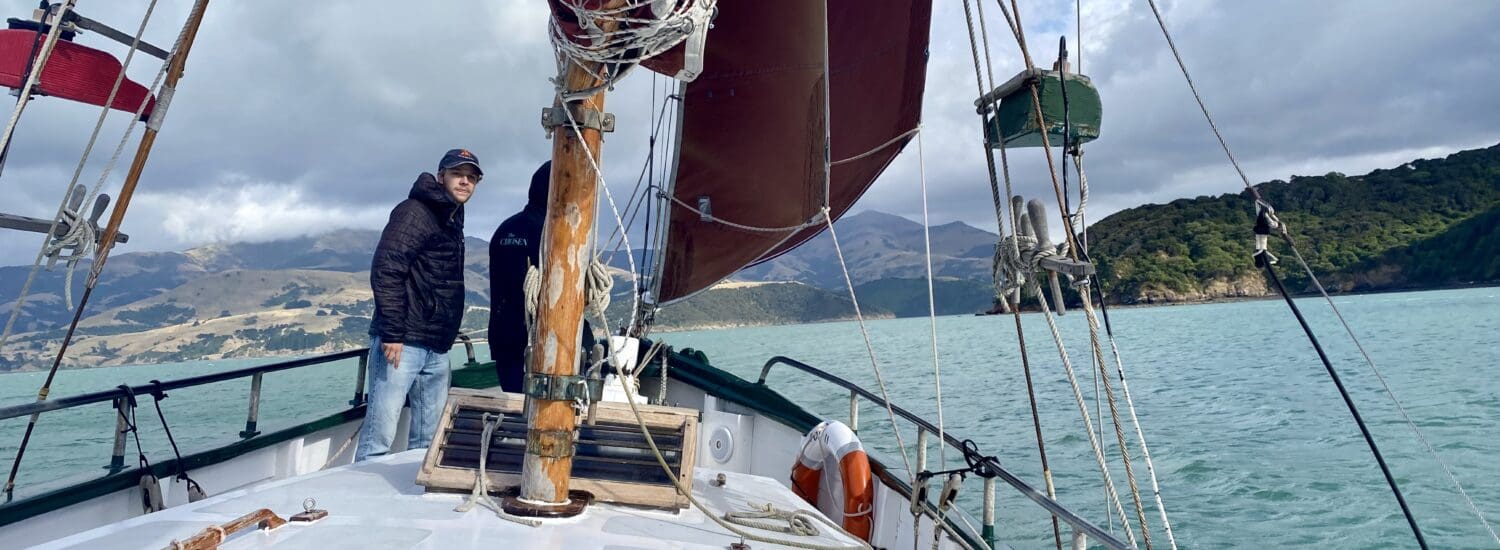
[[422, 376]]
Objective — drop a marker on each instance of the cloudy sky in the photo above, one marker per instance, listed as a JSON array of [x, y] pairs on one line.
[[299, 117]]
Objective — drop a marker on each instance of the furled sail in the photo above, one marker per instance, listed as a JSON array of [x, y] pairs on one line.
[[750, 171], [75, 72]]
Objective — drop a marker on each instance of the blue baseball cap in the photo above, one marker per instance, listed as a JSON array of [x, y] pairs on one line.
[[456, 157]]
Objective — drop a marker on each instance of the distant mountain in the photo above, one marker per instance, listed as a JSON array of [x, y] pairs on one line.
[[882, 246]]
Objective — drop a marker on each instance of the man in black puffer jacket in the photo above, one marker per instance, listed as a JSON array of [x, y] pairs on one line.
[[516, 246], [417, 276]]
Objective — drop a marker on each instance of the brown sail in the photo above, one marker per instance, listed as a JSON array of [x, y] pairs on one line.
[[754, 125]]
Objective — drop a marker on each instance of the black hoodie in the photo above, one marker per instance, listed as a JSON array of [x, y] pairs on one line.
[[515, 246], [418, 270]]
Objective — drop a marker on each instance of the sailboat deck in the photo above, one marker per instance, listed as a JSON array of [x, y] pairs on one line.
[[375, 504]]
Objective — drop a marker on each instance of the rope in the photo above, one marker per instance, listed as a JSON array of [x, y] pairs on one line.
[[481, 495], [878, 148], [688, 493], [797, 522], [874, 363], [158, 395], [597, 284], [937, 371], [1002, 206], [1202, 106], [1120, 372], [1114, 413], [36, 71], [1083, 410], [815, 221], [633, 39]]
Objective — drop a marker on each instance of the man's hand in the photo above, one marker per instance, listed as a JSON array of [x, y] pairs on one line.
[[392, 354]]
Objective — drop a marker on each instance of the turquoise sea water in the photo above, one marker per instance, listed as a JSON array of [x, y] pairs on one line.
[[1251, 443]]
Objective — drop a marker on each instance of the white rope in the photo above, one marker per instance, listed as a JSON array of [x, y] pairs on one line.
[[878, 148], [42, 56], [1093, 320], [814, 221], [62, 207], [1083, 410], [480, 495], [937, 371], [870, 348], [632, 40], [531, 290], [597, 284], [797, 522]]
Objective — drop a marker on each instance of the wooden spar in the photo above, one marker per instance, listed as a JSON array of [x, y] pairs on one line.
[[112, 230], [566, 253]]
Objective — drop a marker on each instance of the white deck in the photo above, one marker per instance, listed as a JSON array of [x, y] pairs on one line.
[[375, 504]]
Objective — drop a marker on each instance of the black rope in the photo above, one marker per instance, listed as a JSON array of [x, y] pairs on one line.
[[1364, 430], [132, 427], [157, 394]]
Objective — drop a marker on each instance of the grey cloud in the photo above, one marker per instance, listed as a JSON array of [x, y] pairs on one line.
[[344, 102]]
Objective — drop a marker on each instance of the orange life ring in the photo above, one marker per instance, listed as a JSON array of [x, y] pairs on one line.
[[833, 440]]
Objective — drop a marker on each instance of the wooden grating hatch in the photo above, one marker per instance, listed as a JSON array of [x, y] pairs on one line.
[[612, 460]]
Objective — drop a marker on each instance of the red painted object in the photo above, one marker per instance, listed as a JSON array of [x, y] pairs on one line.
[[75, 72]]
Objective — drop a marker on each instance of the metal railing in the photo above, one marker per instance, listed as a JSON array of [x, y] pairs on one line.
[[1082, 528]]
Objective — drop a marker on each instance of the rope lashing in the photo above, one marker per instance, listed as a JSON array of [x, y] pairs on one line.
[[630, 38], [1018, 257], [597, 285]]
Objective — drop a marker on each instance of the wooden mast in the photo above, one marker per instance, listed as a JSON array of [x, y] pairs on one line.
[[566, 253]]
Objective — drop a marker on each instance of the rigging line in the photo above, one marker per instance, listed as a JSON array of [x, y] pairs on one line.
[[1399, 407], [172, 71], [1071, 233], [1411, 520], [870, 348], [645, 174], [36, 72], [78, 171], [1067, 362], [937, 372], [1097, 287], [1097, 357], [635, 295], [1000, 217], [878, 148], [1176, 55]]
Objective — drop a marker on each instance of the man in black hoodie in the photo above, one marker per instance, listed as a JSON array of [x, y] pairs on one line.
[[515, 247], [417, 276]]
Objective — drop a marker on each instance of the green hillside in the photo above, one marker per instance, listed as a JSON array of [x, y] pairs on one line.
[[1385, 230]]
